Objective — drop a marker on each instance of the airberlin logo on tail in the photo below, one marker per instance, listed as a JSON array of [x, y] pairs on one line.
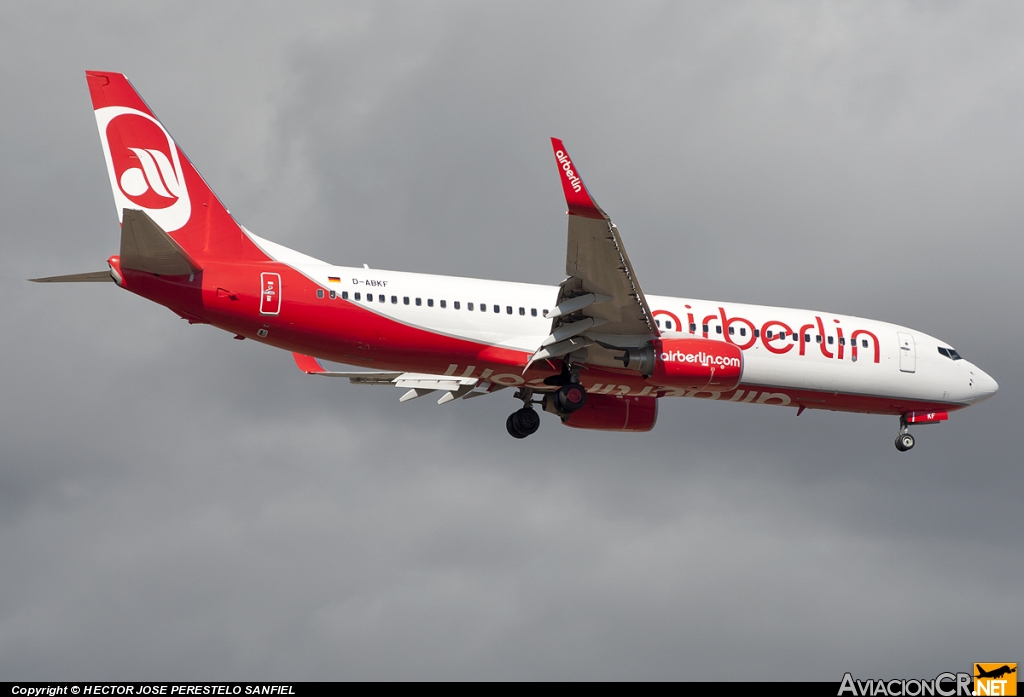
[[144, 166], [574, 181]]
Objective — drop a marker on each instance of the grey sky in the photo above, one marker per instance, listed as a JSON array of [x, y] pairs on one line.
[[175, 504]]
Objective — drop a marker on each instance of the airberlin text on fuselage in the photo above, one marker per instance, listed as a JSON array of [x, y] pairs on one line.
[[779, 338], [574, 180]]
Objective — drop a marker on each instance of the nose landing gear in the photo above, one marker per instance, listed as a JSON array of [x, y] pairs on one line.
[[904, 441]]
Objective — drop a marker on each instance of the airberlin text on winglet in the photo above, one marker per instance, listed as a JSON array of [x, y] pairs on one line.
[[574, 181]]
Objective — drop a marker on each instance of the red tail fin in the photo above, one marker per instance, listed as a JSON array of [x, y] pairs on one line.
[[149, 172]]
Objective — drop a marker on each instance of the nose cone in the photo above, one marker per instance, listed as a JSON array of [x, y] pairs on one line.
[[982, 385]]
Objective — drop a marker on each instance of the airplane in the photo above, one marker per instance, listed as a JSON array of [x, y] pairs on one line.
[[595, 350], [995, 673]]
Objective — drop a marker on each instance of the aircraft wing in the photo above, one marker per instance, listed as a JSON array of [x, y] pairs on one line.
[[417, 384], [601, 300]]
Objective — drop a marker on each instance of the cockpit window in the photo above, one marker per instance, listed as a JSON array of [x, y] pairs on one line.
[[949, 353]]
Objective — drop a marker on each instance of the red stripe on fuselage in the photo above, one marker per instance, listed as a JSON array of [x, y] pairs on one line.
[[228, 296]]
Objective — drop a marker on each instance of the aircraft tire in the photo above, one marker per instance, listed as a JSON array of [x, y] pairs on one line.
[[526, 421], [904, 442], [510, 426]]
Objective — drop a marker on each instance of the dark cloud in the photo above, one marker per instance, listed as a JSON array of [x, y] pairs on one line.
[[175, 504]]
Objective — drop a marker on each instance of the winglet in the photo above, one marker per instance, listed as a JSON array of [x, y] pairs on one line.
[[577, 198], [308, 364]]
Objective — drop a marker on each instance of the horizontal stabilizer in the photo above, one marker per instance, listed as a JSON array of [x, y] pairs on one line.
[[416, 384], [90, 277], [146, 247], [311, 366]]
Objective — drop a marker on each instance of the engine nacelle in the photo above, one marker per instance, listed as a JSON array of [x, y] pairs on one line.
[[604, 412], [688, 363]]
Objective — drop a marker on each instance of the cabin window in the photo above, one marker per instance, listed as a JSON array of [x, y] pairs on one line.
[[419, 301], [533, 312], [444, 304], [430, 302], [817, 338], [768, 334], [381, 298], [469, 306], [332, 294], [457, 305], [320, 293], [483, 307], [658, 322], [831, 340], [693, 327], [358, 296], [705, 329], [522, 312], [344, 295], [545, 313], [508, 309], [369, 297], [743, 331], [757, 333], [405, 300], [497, 309], [718, 329], [394, 299], [732, 330], [864, 343], [668, 324], [842, 341]]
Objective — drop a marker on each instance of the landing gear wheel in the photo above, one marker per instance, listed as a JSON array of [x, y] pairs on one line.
[[904, 442], [526, 421], [570, 397], [511, 427], [522, 423]]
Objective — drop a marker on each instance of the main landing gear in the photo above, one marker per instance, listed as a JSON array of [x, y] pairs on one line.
[[904, 441], [526, 421]]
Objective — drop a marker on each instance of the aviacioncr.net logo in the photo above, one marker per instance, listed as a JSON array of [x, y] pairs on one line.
[[144, 166]]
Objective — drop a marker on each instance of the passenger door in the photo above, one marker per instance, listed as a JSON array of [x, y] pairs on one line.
[[908, 357]]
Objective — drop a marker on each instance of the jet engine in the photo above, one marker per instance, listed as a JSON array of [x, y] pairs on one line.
[[604, 412], [688, 363]]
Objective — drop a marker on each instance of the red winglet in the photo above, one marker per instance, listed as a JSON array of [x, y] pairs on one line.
[[577, 198], [308, 364]]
